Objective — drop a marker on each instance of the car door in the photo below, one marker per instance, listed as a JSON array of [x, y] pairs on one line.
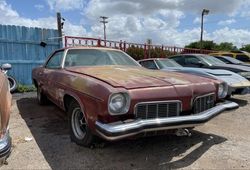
[[51, 70], [150, 64], [192, 61], [179, 59]]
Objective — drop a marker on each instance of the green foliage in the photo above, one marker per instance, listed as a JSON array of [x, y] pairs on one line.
[[210, 45], [135, 52], [246, 48], [24, 88], [225, 46], [138, 53]]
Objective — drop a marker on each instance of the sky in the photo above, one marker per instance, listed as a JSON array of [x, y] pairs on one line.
[[168, 22]]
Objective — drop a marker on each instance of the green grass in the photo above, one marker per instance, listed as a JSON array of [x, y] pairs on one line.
[[25, 88]]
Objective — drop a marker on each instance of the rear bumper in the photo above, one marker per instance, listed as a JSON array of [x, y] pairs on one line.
[[5, 147], [120, 130]]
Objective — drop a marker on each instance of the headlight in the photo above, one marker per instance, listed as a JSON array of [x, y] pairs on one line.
[[118, 103], [222, 90], [244, 74]]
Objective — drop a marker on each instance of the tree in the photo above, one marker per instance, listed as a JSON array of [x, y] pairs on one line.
[[225, 46], [207, 45], [210, 45], [135, 52], [246, 48], [138, 53]]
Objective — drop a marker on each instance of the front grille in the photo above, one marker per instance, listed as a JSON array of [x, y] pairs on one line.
[[203, 103], [152, 110]]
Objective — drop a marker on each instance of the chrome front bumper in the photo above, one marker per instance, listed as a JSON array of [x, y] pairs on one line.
[[5, 147], [120, 130]]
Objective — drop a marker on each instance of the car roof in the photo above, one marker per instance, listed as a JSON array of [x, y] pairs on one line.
[[194, 54], [148, 59], [87, 47]]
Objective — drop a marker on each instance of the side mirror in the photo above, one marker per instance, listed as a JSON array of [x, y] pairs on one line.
[[6, 66]]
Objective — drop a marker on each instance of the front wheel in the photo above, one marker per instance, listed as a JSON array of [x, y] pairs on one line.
[[12, 83], [79, 130], [41, 98]]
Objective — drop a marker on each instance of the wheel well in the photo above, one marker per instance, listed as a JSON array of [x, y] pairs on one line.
[[67, 100]]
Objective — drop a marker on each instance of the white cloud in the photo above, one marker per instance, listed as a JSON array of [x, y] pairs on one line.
[[136, 21], [65, 5], [227, 22], [11, 17], [39, 7], [197, 20], [236, 36]]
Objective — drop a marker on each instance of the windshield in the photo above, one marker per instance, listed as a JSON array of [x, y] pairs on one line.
[[97, 57], [212, 60], [233, 60], [164, 63]]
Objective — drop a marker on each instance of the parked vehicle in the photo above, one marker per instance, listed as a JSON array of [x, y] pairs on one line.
[[12, 81], [5, 104], [210, 62], [236, 83], [240, 55], [108, 94], [230, 60]]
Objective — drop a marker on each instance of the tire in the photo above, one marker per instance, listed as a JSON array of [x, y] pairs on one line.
[[41, 98], [13, 84], [228, 96], [79, 130]]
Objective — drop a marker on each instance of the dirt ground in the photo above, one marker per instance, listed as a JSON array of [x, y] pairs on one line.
[[224, 143]]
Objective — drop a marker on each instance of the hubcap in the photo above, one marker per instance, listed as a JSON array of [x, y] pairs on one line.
[[78, 123]]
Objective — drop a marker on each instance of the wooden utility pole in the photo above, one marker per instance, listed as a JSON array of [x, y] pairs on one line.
[[59, 25]]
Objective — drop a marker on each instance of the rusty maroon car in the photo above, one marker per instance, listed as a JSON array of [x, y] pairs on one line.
[[5, 105], [108, 94]]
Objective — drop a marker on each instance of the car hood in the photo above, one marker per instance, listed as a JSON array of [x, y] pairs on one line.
[[240, 67], [229, 77], [137, 77], [217, 72]]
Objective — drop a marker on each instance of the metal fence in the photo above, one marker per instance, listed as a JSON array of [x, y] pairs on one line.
[[25, 48], [71, 41]]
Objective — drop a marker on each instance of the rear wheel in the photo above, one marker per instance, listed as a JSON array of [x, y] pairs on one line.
[[13, 83], [79, 130], [41, 98]]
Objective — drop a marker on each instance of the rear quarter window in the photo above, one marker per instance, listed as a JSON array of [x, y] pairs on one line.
[[243, 58]]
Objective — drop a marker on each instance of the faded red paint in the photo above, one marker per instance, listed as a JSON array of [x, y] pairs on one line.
[[5, 103], [92, 86]]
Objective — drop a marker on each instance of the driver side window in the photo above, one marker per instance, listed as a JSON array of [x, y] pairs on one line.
[[149, 64], [192, 61], [55, 61]]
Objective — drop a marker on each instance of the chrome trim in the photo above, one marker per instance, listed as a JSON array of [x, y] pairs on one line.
[[156, 64], [120, 130], [128, 98], [197, 97], [158, 102], [5, 147], [225, 90], [179, 109], [205, 95], [64, 58]]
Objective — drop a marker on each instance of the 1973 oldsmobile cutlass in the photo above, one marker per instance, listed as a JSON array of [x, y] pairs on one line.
[[108, 94], [5, 104]]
